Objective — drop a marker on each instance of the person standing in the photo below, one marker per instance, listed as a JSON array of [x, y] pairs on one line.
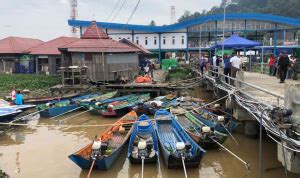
[[283, 65], [227, 67], [13, 94], [271, 64], [235, 65], [215, 63], [291, 70]]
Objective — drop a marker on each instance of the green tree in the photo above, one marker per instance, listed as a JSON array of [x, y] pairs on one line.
[[152, 23]]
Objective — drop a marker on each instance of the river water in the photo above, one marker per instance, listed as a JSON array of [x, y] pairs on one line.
[[42, 152]]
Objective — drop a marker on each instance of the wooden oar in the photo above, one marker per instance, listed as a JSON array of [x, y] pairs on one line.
[[143, 158], [244, 162], [229, 134], [75, 115], [183, 165], [91, 168]]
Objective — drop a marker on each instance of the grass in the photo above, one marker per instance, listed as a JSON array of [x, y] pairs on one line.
[[26, 81], [180, 74]]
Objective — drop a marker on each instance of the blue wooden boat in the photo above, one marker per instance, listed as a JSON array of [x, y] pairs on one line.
[[55, 108], [8, 114], [175, 143], [220, 123], [107, 147], [143, 142]]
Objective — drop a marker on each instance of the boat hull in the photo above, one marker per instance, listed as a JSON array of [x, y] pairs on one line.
[[207, 143], [52, 112], [147, 160], [102, 164]]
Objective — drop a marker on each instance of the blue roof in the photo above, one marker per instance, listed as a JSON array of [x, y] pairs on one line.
[[237, 42], [191, 22]]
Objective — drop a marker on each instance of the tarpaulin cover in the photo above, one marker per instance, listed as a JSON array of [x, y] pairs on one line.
[[166, 63]]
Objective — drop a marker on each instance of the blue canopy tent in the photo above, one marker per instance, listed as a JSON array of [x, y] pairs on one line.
[[237, 42]]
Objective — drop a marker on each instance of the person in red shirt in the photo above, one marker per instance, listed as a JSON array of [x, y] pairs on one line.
[[271, 64]]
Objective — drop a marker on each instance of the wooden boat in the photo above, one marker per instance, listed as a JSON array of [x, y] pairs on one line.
[[119, 108], [46, 99], [23, 107], [143, 142], [86, 103], [107, 147], [8, 114], [218, 122], [56, 108], [102, 104], [175, 143], [205, 136]]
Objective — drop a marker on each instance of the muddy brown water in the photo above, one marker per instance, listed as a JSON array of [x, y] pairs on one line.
[[42, 152]]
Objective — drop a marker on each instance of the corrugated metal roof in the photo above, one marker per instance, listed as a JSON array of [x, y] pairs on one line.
[[17, 45], [188, 23], [51, 47]]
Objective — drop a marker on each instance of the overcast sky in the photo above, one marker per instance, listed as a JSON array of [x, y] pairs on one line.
[[47, 19]]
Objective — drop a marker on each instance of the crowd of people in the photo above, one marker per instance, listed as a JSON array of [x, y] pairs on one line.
[[283, 66], [231, 64]]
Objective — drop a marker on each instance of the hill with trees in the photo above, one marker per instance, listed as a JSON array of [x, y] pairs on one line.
[[289, 8]]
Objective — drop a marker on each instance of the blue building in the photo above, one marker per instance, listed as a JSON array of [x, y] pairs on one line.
[[277, 33]]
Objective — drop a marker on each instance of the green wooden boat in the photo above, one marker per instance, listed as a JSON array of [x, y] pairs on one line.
[[199, 132], [86, 103], [100, 109]]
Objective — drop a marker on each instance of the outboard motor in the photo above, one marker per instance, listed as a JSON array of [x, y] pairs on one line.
[[220, 119], [206, 131], [142, 149], [281, 116], [98, 149], [183, 149]]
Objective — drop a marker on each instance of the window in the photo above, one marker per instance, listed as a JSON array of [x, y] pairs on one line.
[[146, 40], [164, 40], [173, 40], [88, 56], [137, 40], [155, 41], [182, 40]]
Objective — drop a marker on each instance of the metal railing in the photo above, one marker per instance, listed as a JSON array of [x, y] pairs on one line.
[[222, 77]]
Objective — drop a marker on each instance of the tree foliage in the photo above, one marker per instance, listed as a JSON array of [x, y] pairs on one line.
[[289, 8], [152, 23]]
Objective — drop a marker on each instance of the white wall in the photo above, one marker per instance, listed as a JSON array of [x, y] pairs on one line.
[[142, 36]]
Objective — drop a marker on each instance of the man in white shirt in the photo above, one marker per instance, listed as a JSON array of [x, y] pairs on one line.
[[235, 64]]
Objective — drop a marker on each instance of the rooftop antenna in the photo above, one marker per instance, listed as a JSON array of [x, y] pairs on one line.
[[172, 17], [73, 16]]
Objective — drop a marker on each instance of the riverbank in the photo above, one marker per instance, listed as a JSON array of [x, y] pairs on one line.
[[36, 84]]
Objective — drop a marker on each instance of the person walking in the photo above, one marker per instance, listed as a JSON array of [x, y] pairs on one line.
[[235, 65], [283, 64], [271, 64], [215, 64], [291, 70], [227, 67], [202, 64]]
